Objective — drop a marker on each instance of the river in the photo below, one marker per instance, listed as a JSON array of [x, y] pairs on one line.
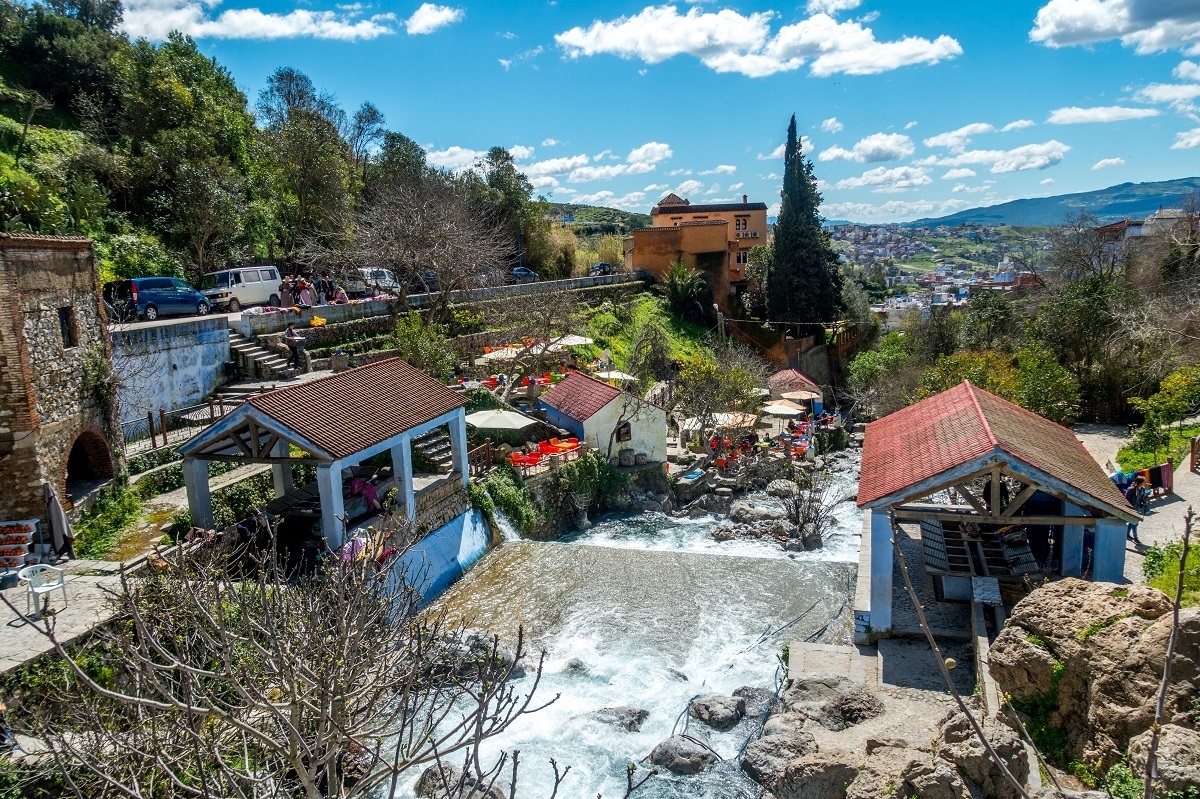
[[638, 601]]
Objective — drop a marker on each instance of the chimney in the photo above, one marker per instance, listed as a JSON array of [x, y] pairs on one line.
[[745, 199]]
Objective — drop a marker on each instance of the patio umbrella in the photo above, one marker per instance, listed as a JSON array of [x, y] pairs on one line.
[[615, 374], [60, 529], [572, 340], [499, 420], [802, 394], [783, 408]]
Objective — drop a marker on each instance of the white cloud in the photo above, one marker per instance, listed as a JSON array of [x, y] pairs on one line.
[[1018, 124], [429, 17], [606, 197], [656, 187], [736, 186], [962, 187], [1108, 163], [689, 187], [1028, 156], [832, 125], [544, 182], [910, 125], [1046, 181], [713, 189], [505, 62], [454, 157], [957, 140], [520, 152], [1187, 70], [872, 149], [1074, 115], [959, 173], [555, 166], [549, 142], [728, 41], [1148, 26], [831, 7], [891, 211], [649, 153], [901, 178], [606, 172], [1187, 139], [154, 19], [1168, 92], [720, 169], [806, 146]]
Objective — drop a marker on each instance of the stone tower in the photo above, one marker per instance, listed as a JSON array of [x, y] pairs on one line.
[[56, 417]]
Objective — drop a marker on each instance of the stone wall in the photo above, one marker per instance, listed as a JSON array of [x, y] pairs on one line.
[[439, 504], [169, 365], [51, 329]]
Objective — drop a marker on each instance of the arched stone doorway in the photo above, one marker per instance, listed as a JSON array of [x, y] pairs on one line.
[[89, 463]]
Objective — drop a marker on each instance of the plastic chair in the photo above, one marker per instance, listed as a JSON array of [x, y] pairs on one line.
[[38, 584]]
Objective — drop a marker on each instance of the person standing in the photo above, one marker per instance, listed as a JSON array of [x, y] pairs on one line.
[[285, 293], [305, 294], [1135, 495], [292, 339]]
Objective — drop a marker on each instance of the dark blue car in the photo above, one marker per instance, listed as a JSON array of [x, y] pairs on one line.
[[150, 297]]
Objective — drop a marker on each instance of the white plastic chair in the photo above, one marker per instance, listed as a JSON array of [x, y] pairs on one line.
[[39, 583]]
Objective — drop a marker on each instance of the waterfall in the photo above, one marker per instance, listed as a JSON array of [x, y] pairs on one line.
[[508, 531]]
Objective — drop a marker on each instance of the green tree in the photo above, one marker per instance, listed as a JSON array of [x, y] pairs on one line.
[[650, 353], [425, 346], [686, 291], [804, 284], [1046, 388], [990, 323], [758, 265]]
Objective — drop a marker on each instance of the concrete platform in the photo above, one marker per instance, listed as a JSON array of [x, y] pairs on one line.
[[858, 663]]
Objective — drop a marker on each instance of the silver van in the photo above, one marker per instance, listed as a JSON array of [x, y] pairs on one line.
[[232, 289]]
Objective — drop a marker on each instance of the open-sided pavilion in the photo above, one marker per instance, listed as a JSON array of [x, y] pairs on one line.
[[335, 422], [1007, 469]]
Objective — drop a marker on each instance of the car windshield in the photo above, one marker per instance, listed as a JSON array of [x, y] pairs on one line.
[[216, 280]]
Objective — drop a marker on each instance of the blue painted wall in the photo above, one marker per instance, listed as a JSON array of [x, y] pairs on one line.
[[440, 558], [560, 419]]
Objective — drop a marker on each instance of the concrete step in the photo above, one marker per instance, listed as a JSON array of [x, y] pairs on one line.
[[860, 664]]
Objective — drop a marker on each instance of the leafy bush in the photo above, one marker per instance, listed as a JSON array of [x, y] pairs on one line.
[[425, 346], [511, 497], [148, 460], [1154, 443], [116, 510]]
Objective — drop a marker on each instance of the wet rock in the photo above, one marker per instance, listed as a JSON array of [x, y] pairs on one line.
[[758, 700], [765, 759], [743, 512], [681, 755], [443, 781], [696, 511], [724, 534], [718, 712], [677, 674], [627, 718], [852, 707], [815, 776], [1178, 758], [784, 724], [811, 540], [474, 652], [811, 693], [576, 667], [782, 488]]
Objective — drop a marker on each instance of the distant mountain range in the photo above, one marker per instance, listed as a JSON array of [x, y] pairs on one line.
[[1126, 201]]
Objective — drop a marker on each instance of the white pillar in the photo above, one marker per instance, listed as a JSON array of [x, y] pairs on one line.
[[1108, 555], [403, 472], [881, 571], [195, 479], [1071, 555], [333, 511], [458, 445], [281, 473]]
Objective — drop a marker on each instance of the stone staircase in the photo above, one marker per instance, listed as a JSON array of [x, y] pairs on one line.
[[256, 361], [435, 447]]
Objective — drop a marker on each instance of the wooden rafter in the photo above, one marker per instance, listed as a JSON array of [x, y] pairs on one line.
[[1019, 500], [964, 491]]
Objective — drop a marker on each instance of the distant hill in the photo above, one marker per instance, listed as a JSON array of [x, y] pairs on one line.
[[599, 219], [1126, 201]]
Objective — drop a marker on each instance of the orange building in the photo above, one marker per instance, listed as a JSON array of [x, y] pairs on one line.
[[714, 238]]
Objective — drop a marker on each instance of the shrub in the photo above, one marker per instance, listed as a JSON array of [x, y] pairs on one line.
[[510, 496], [116, 510]]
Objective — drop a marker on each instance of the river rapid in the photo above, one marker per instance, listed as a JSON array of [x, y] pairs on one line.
[[629, 608]]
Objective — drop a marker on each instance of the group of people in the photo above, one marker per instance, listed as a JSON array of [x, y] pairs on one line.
[[296, 290]]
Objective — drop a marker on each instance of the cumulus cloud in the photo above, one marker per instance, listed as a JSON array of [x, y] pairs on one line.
[[891, 211], [746, 44], [1108, 163], [959, 173], [549, 142], [872, 149], [1018, 159], [720, 169], [1148, 26], [520, 152], [1046, 181], [882, 179], [1074, 115], [154, 19], [1187, 70], [962, 187], [736, 186], [555, 166], [429, 17], [649, 153], [832, 125], [689, 187], [1018, 124], [656, 187], [606, 172], [605, 197], [1169, 92], [544, 182], [1187, 139], [957, 140], [831, 7], [456, 158]]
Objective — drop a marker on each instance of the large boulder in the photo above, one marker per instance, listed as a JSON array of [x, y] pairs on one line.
[[743, 512], [782, 488], [853, 707], [765, 759], [682, 755], [1178, 757], [718, 712], [758, 700], [815, 776], [1094, 653], [784, 724], [934, 778], [960, 746], [439, 782], [627, 718], [472, 653]]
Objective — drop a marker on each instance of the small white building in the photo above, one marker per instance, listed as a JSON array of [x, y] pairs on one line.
[[606, 417]]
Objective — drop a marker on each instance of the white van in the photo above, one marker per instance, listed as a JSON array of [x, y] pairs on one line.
[[232, 289]]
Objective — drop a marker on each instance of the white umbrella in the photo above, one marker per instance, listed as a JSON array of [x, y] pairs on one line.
[[615, 374], [802, 394], [499, 420], [573, 341], [782, 408]]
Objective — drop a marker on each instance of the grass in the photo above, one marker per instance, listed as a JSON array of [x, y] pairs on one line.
[[1131, 457], [102, 526], [1161, 569], [615, 327], [1097, 626]]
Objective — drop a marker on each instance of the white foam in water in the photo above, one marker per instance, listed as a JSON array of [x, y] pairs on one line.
[[508, 531]]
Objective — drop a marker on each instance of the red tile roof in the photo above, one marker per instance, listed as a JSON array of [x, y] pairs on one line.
[[791, 378], [349, 411], [956, 426], [580, 396]]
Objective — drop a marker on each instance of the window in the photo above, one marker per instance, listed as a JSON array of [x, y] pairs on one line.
[[251, 276], [180, 285], [624, 431], [66, 327], [267, 274], [742, 256], [158, 284]]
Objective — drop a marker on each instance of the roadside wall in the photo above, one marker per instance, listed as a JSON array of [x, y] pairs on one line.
[[169, 365]]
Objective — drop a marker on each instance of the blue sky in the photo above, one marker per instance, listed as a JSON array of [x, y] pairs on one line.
[[909, 109]]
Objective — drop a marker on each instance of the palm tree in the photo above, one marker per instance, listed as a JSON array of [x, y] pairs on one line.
[[685, 289]]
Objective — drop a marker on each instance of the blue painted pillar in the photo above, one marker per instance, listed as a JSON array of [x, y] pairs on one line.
[[1109, 557], [458, 445], [195, 479], [881, 571], [333, 510], [402, 470], [1072, 543]]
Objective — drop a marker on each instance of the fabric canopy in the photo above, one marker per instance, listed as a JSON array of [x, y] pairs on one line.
[[615, 374], [499, 420], [783, 408], [802, 394]]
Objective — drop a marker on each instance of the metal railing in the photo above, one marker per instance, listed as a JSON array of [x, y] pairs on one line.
[[163, 428]]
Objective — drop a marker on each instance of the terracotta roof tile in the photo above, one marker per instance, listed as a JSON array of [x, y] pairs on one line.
[[956, 426], [791, 378], [710, 208], [349, 411], [580, 396]]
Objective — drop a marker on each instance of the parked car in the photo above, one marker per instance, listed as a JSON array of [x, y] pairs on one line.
[[150, 297], [425, 282], [600, 269], [372, 280], [232, 289], [522, 274]]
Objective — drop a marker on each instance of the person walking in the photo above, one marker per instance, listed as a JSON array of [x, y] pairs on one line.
[[1135, 495], [292, 339]]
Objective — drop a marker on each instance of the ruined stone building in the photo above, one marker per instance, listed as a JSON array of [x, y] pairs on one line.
[[56, 419]]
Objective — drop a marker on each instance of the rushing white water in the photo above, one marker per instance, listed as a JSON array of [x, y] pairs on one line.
[[627, 607]]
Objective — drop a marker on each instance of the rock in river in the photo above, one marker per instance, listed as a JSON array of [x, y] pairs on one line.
[[743, 512], [681, 755], [627, 718], [438, 781], [718, 712], [765, 759]]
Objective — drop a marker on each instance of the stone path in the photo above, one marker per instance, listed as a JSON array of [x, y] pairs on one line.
[[87, 605]]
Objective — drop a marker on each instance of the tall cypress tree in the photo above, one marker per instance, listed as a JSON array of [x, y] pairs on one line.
[[804, 284]]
